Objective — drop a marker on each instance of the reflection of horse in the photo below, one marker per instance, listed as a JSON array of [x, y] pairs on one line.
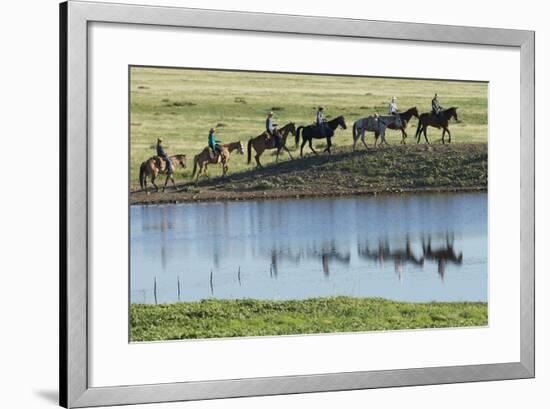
[[383, 252], [262, 142], [441, 255], [437, 121], [315, 132], [204, 158], [156, 165]]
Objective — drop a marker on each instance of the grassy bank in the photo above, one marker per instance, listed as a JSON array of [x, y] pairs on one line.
[[238, 318], [398, 168], [181, 105]]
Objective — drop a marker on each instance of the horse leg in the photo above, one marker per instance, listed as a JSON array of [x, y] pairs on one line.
[[165, 182], [363, 138], [287, 151], [311, 146], [443, 137], [449, 132], [153, 177], [418, 133], [277, 156], [403, 136], [302, 147], [329, 144], [173, 181], [426, 134], [145, 184], [259, 152]]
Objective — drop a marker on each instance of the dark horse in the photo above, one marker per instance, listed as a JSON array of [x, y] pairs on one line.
[[405, 119], [437, 121], [312, 131]]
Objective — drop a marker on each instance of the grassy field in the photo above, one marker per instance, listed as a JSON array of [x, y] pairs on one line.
[[181, 105], [238, 318]]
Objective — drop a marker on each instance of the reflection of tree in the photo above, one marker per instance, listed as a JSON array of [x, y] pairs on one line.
[[442, 255]]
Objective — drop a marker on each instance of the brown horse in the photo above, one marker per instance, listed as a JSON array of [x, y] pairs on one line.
[[156, 165], [405, 119], [437, 121], [203, 159], [262, 142]]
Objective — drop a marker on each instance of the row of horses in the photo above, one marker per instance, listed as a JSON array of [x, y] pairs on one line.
[[377, 124]]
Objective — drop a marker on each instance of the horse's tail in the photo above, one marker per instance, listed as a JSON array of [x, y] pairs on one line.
[[249, 148], [297, 136], [195, 161], [142, 175]]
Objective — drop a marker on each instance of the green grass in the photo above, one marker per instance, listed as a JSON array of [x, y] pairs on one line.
[[247, 317], [181, 105]]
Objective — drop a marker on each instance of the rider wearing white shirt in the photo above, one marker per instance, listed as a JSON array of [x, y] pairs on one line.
[[393, 107]]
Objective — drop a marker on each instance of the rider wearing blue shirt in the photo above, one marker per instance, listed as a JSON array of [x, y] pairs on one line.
[[213, 143], [162, 153]]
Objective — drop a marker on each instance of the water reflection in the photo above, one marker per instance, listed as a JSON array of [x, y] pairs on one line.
[[430, 247]]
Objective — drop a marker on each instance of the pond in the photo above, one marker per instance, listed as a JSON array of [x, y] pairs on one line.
[[422, 247]]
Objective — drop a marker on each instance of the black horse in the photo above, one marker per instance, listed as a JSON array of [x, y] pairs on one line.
[[313, 131]]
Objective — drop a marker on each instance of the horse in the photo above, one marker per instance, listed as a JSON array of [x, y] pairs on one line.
[[154, 165], [261, 142], [442, 121], [376, 124], [203, 158], [312, 131], [405, 118]]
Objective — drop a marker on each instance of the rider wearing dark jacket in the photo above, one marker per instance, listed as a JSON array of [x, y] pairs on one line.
[[162, 153], [436, 108]]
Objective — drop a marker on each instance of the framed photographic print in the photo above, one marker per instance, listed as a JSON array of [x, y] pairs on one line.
[[258, 204]]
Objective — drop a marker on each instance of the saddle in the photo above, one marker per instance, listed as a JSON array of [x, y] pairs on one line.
[[160, 162], [269, 141], [214, 155]]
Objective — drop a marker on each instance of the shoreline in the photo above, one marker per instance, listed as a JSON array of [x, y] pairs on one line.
[[213, 196]]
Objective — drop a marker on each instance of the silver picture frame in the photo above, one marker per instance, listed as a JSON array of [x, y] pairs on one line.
[[75, 16]]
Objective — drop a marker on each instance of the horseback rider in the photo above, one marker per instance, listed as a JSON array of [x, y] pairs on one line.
[[162, 153], [213, 144], [320, 120], [393, 107], [436, 108], [272, 130]]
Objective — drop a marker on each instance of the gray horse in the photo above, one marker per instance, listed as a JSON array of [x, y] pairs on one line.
[[376, 124]]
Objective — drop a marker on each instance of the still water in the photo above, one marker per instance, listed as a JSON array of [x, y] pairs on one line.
[[408, 248]]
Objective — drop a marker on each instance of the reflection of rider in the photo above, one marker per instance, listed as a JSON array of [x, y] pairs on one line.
[[320, 120], [436, 108], [271, 129], [162, 153], [213, 144]]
